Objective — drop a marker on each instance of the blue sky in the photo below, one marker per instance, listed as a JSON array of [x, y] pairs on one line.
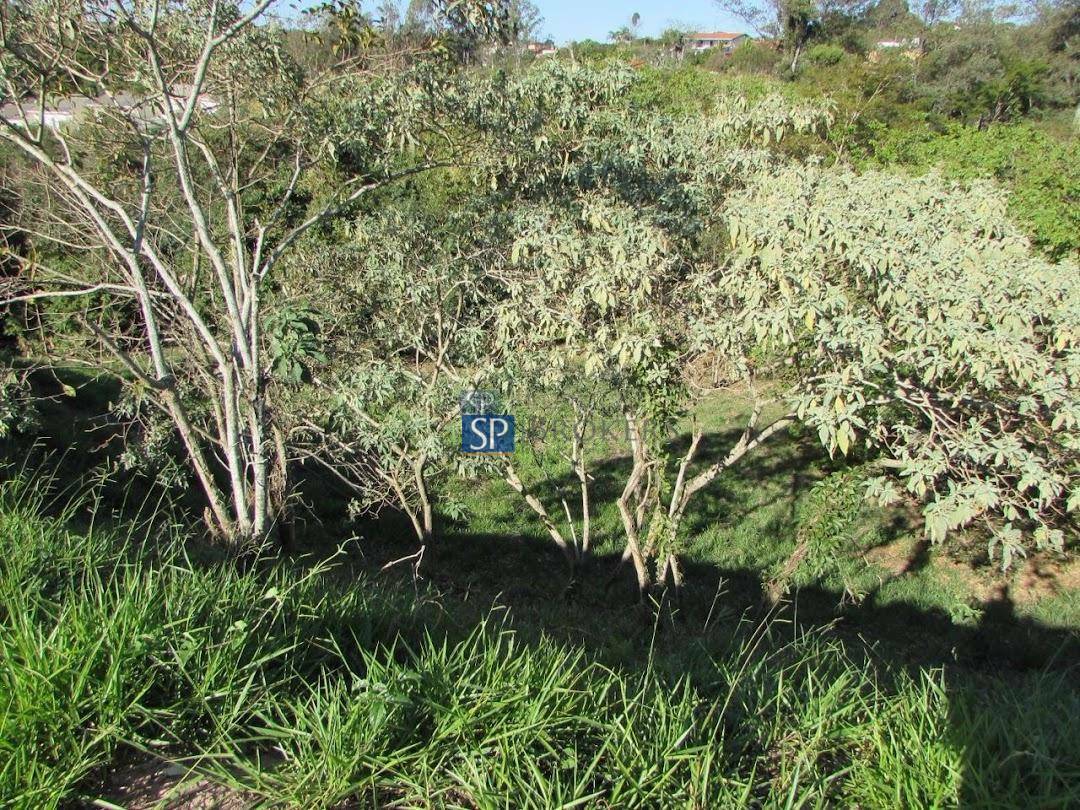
[[592, 19], [566, 20]]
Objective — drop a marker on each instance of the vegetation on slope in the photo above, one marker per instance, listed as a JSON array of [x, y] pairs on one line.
[[699, 256], [295, 685]]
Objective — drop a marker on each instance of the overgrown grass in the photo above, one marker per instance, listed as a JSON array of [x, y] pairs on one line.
[[111, 637], [296, 685]]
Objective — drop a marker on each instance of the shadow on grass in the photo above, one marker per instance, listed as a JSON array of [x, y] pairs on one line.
[[333, 625], [475, 571], [597, 604], [468, 572], [1005, 675]]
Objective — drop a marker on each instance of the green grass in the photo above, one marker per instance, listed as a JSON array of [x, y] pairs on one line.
[[746, 524], [300, 683]]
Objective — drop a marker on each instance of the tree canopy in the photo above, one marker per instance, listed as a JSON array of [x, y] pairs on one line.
[[359, 244]]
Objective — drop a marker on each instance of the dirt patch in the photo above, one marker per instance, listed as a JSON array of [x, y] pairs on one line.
[[156, 785], [984, 585], [1040, 577], [1036, 578], [898, 557]]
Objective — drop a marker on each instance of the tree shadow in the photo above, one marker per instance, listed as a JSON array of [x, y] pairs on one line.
[[1002, 672], [531, 577], [468, 573], [526, 572]]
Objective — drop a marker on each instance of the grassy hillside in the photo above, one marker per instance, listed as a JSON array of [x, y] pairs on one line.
[[137, 664], [244, 560]]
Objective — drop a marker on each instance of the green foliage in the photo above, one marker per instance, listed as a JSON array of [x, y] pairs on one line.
[[406, 299], [589, 50], [752, 57], [109, 638], [588, 285], [692, 90], [150, 446], [830, 519], [17, 411], [1041, 173], [919, 322], [825, 54], [677, 91], [986, 72], [294, 343], [350, 30]]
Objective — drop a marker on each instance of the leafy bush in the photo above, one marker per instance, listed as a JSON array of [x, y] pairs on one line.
[[828, 529], [986, 72], [17, 412], [1041, 172], [294, 343], [678, 91], [750, 57], [825, 54], [921, 324]]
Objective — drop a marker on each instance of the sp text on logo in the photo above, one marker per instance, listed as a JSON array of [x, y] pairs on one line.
[[483, 428], [487, 433]]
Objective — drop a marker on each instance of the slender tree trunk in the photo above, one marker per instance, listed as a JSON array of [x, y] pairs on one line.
[[427, 514], [795, 59], [578, 460], [512, 478], [197, 458], [631, 525], [676, 574]]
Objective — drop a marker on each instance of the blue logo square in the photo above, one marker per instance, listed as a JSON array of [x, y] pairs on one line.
[[487, 433]]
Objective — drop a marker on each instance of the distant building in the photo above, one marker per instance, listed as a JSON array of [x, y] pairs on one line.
[[908, 44], [715, 39], [911, 47], [55, 115], [542, 48]]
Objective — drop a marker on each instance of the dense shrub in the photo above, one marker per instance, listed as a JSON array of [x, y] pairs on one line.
[[1041, 172], [825, 54], [750, 57], [920, 322]]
